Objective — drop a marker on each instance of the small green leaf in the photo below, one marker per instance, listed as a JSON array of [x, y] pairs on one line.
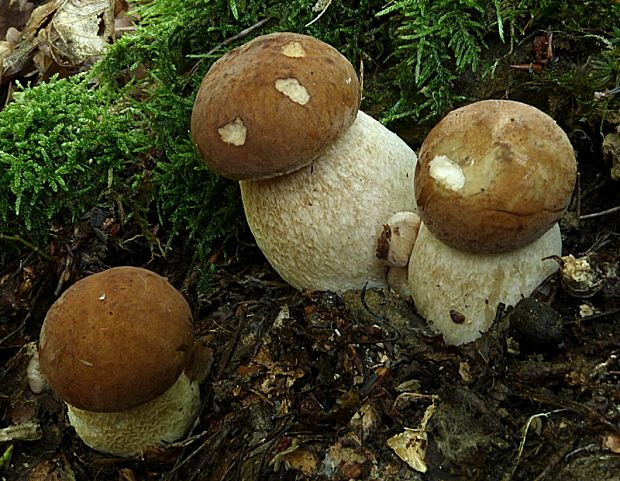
[[233, 8], [6, 456]]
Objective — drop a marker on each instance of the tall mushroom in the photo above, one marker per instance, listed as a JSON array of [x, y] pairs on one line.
[[114, 347], [493, 179], [318, 179]]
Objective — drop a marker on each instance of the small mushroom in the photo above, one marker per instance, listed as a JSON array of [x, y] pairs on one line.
[[36, 380], [394, 247], [493, 179], [397, 239], [318, 178], [114, 348]]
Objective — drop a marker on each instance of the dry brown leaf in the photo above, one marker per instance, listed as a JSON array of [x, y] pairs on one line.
[[14, 13], [19, 57], [51, 470], [297, 458], [346, 462], [410, 445], [612, 443], [464, 371], [60, 36], [81, 30]]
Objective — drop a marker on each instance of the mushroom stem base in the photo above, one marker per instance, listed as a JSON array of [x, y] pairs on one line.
[[127, 433], [458, 292]]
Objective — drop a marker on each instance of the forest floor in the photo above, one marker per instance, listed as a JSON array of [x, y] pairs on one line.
[[316, 386]]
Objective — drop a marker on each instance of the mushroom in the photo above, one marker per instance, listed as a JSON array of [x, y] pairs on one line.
[[397, 239], [394, 247], [114, 347], [493, 179], [318, 226], [317, 177]]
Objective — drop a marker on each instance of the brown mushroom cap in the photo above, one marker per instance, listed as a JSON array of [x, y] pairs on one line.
[[115, 340], [494, 176], [273, 106]]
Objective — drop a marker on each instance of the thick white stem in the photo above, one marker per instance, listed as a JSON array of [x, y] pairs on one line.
[[127, 433]]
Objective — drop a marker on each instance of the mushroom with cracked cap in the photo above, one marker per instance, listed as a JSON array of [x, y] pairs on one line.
[[492, 180], [114, 347], [318, 178]]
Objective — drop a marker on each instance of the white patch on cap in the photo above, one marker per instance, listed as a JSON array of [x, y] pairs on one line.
[[233, 133], [446, 172], [293, 90], [294, 49]]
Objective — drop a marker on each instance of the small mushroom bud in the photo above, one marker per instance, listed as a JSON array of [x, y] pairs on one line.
[[36, 379], [396, 241]]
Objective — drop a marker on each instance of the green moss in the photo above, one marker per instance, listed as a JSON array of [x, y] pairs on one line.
[[64, 147]]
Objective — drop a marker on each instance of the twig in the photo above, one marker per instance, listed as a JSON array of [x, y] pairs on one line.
[[600, 214], [232, 347], [593, 317], [65, 274], [606, 93], [244, 33], [578, 195], [27, 431], [365, 304], [31, 246], [525, 430], [552, 462], [323, 9], [183, 460]]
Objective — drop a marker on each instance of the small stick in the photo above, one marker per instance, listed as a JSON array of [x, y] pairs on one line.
[[31, 246], [578, 195], [243, 33], [593, 317], [606, 93], [28, 431], [600, 214], [323, 10]]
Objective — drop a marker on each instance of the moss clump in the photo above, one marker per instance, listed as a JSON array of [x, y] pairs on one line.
[[65, 147]]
